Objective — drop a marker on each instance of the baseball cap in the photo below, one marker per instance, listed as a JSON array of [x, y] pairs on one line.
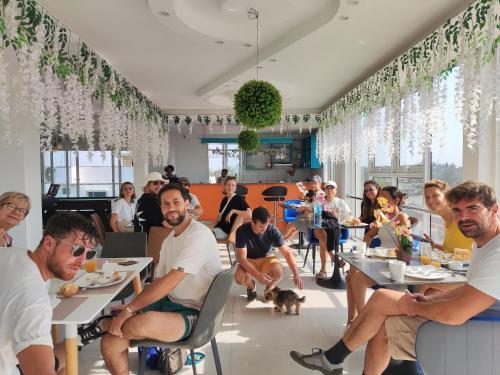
[[331, 183], [318, 179], [154, 176]]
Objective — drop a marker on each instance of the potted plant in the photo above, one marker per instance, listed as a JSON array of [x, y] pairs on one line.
[[248, 140]]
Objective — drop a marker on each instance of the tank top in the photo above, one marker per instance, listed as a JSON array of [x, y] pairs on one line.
[[454, 238]]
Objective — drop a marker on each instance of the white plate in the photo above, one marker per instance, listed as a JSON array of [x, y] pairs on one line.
[[371, 252], [98, 280], [425, 273], [360, 225]]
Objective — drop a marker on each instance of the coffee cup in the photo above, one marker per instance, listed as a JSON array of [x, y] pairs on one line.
[[361, 246], [358, 254], [455, 265], [397, 270]]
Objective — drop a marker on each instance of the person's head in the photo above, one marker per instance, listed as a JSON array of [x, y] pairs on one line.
[[223, 172], [475, 208], [434, 194], [154, 183], [260, 220], [330, 189], [14, 207], [127, 191], [230, 186], [174, 201], [185, 183], [169, 170], [68, 240], [370, 190], [316, 183], [393, 195]]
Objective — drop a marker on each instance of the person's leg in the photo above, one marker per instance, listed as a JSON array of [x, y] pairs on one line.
[[114, 350], [274, 269], [359, 283], [433, 289], [60, 353], [351, 306], [320, 235], [242, 277], [289, 232], [377, 355]]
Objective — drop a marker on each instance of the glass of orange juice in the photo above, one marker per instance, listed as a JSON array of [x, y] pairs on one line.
[[91, 265], [436, 262], [425, 253]]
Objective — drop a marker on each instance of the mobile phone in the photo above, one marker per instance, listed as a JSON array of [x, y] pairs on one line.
[[420, 238], [127, 262]]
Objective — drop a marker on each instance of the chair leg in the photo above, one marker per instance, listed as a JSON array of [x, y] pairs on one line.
[[301, 240], [307, 253], [229, 254], [215, 351], [193, 362], [142, 363], [314, 258], [275, 207]]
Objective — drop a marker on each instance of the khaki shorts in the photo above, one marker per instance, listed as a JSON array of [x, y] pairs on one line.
[[401, 333], [263, 264]]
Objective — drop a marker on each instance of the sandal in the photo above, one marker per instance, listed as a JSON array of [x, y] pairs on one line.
[[321, 275], [92, 331]]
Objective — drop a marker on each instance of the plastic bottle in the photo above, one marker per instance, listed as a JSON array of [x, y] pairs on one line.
[[317, 210]]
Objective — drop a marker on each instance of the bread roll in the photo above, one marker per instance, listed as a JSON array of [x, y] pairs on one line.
[[68, 290]]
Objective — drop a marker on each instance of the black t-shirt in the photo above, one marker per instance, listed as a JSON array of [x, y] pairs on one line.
[[258, 246], [147, 213], [236, 203]]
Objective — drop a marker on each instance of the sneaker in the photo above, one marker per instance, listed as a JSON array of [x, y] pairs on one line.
[[90, 332], [317, 361], [252, 293]]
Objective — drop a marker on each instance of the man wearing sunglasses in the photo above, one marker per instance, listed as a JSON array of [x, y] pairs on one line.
[[148, 213], [26, 314]]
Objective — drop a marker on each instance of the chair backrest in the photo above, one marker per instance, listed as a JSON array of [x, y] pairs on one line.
[[466, 349], [275, 191], [155, 239], [344, 234], [241, 190], [290, 214], [124, 245], [99, 226], [212, 310]]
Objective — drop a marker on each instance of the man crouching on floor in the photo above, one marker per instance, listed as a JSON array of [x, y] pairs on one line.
[[168, 308], [254, 242]]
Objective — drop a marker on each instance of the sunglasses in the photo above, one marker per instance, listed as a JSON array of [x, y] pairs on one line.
[[158, 182], [13, 208], [78, 250]]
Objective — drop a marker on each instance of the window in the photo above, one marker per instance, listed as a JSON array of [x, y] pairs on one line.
[[220, 156], [84, 174]]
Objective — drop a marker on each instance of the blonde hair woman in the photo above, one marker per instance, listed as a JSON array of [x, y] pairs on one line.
[[14, 207], [122, 209]]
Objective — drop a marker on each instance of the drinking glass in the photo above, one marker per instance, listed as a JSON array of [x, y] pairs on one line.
[[425, 253]]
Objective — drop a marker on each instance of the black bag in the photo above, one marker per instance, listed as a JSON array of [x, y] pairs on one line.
[[171, 361], [332, 229]]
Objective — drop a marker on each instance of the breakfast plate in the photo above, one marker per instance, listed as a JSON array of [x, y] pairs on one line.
[[381, 252], [100, 280], [425, 273]]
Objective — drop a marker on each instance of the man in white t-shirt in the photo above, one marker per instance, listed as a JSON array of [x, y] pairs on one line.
[[26, 313], [390, 320], [168, 308]]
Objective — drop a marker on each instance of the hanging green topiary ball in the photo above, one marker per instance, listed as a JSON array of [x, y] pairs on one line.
[[248, 140], [257, 104]]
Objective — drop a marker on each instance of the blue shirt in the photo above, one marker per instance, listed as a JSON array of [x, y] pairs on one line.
[[258, 246]]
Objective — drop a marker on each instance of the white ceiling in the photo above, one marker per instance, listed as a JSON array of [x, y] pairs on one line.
[[192, 55]]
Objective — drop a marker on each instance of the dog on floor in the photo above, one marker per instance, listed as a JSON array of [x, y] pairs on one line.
[[284, 298]]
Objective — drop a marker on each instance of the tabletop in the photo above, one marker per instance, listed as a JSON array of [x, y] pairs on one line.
[[378, 270], [87, 304]]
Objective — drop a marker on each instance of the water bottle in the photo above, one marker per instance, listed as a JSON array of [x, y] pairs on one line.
[[317, 209]]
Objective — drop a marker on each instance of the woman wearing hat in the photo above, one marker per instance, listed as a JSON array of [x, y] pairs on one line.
[[148, 212], [338, 208]]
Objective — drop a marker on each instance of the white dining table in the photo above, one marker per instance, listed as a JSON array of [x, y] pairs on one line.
[[87, 304]]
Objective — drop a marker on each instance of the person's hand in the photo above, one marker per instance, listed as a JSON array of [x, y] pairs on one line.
[[212, 225], [421, 297], [298, 282], [228, 217], [264, 278], [405, 303], [118, 321]]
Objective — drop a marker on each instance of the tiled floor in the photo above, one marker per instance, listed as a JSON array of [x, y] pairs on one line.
[[254, 339]]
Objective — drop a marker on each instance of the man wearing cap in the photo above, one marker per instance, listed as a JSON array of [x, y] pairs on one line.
[[148, 212], [338, 208]]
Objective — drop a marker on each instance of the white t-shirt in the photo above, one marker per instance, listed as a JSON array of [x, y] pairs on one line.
[[124, 210], [484, 269], [343, 211], [26, 312], [194, 202], [196, 253]]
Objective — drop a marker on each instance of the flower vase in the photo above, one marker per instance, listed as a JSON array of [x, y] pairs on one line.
[[404, 257]]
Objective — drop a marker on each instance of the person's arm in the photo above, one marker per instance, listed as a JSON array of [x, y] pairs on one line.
[[460, 305], [241, 254], [158, 289], [290, 259], [433, 244], [197, 211], [113, 222], [372, 232], [37, 360]]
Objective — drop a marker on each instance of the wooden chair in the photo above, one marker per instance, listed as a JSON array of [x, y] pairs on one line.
[[99, 226], [155, 240]]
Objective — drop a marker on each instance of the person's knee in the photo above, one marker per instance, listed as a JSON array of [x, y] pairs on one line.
[[134, 328], [275, 270], [108, 350]]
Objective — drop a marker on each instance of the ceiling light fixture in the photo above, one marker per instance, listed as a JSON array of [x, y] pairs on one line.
[[248, 45], [218, 41], [164, 13], [344, 18], [273, 60]]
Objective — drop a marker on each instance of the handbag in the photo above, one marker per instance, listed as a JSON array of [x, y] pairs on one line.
[[171, 361]]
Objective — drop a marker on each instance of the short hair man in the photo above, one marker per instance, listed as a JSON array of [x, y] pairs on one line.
[[254, 243], [26, 314], [168, 308], [148, 213], [169, 174], [390, 320]]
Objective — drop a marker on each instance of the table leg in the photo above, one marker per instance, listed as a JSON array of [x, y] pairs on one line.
[[137, 285], [336, 281], [71, 345]]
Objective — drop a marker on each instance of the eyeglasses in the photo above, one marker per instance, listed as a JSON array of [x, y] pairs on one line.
[[78, 250], [158, 182], [12, 208]]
